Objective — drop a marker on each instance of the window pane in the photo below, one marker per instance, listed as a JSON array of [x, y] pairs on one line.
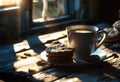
[[48, 9], [7, 2]]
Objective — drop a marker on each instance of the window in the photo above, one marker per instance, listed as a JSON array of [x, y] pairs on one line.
[[49, 9], [51, 13], [46, 10]]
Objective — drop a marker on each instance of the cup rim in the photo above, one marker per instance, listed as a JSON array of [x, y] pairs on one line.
[[72, 27]]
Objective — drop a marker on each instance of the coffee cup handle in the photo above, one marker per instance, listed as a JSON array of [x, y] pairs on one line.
[[102, 39]]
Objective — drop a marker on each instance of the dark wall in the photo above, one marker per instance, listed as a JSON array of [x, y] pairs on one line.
[[9, 25], [109, 10]]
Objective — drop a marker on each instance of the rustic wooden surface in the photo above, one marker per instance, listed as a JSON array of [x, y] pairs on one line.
[[22, 62]]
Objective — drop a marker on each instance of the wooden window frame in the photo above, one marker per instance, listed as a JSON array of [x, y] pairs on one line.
[[72, 17]]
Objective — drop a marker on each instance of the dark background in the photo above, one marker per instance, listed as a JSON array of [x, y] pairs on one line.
[[109, 10]]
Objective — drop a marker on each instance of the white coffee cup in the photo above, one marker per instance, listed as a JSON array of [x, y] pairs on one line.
[[83, 38]]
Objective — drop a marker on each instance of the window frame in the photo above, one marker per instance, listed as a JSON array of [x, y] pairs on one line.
[[72, 17]]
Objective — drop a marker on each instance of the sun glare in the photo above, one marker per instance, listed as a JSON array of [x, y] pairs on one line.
[[7, 2], [21, 46]]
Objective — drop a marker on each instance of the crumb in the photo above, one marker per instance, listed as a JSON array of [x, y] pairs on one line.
[[27, 54]]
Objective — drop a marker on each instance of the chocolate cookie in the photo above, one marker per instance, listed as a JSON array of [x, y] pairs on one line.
[[59, 54], [113, 35], [117, 25]]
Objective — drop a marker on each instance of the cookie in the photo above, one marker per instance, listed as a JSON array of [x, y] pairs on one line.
[[112, 35], [117, 25], [59, 54]]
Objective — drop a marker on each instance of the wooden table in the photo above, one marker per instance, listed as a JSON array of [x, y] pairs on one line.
[[21, 62]]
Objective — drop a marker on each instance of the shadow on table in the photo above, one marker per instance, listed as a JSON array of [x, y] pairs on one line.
[[100, 72], [9, 77]]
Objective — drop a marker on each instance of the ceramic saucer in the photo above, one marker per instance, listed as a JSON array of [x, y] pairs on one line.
[[98, 52]]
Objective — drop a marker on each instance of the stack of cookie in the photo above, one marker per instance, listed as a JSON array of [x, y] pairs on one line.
[[59, 54]]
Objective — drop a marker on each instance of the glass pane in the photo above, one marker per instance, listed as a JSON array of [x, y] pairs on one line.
[[48, 9], [7, 2]]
